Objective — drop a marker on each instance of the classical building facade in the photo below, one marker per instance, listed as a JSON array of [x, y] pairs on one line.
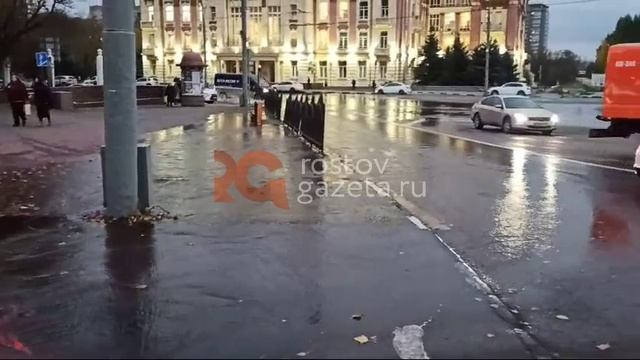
[[468, 19], [332, 41]]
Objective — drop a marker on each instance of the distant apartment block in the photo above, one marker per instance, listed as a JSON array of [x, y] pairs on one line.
[[537, 29]]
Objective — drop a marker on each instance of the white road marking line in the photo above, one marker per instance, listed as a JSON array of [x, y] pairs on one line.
[[417, 222], [505, 147], [408, 344]]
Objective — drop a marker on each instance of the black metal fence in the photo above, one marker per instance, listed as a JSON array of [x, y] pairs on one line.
[[302, 113]]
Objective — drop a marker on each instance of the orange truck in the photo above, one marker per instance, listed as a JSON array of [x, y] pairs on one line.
[[621, 107]]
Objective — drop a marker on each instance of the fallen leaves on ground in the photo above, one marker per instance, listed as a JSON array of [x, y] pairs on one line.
[[362, 339]]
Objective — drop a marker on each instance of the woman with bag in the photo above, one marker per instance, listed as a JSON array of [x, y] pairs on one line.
[[43, 100], [17, 96]]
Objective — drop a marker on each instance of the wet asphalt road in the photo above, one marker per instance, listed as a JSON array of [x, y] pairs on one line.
[[555, 237], [549, 236]]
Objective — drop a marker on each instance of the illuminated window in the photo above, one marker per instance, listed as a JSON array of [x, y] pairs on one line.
[[323, 69], [385, 8], [344, 9], [235, 26], [323, 10], [342, 69], [274, 25], [344, 42], [323, 39], [168, 12], [150, 12], [364, 10], [383, 69], [363, 40], [384, 40], [294, 69], [186, 13], [362, 69]]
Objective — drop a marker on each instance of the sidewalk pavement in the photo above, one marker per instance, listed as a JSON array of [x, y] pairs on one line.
[[243, 279], [81, 132]]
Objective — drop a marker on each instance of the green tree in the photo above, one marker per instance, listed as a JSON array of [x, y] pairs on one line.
[[559, 67], [477, 66], [507, 69], [627, 31], [456, 64], [19, 18], [429, 71]]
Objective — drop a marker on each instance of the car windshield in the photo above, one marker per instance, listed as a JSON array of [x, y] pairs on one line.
[[520, 103]]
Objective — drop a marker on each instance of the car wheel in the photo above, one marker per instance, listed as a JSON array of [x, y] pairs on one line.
[[547, 132], [495, 92], [506, 125], [477, 121], [402, 92], [380, 92], [521, 93]]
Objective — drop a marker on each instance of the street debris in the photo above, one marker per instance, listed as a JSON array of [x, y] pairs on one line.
[[515, 311], [149, 216], [535, 308], [603, 347], [362, 339], [62, 243], [512, 291], [562, 317], [407, 341], [302, 354], [478, 299], [491, 336], [495, 306], [63, 273], [283, 321], [357, 317]]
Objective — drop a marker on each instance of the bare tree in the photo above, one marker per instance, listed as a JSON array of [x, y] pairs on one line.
[[20, 17]]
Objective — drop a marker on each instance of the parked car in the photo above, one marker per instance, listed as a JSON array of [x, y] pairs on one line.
[[65, 80], [288, 86], [511, 88], [392, 87], [210, 94], [513, 113], [147, 81], [229, 85], [92, 81]]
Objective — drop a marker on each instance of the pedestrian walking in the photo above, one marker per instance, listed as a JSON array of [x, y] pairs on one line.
[[170, 93], [353, 84], [373, 85], [178, 85], [17, 96], [43, 99]]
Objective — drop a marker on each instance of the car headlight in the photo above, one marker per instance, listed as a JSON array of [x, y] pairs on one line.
[[555, 118], [520, 118]]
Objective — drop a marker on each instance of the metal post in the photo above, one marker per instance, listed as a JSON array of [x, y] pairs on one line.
[[244, 100], [487, 52], [121, 184], [204, 42], [52, 67]]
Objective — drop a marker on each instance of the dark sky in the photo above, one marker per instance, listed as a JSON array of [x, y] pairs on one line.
[[578, 27]]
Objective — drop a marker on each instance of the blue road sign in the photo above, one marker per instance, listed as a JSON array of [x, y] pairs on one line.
[[42, 59]]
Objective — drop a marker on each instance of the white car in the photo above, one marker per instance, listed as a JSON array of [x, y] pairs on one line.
[[65, 80], [147, 81], [392, 87], [288, 86], [513, 113], [637, 164], [210, 94], [512, 88], [92, 81]]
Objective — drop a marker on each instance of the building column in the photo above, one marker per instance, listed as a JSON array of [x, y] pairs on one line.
[[475, 37]]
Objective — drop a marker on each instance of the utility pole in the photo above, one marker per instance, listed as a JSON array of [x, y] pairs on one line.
[[204, 42], [121, 178], [487, 50], [244, 100]]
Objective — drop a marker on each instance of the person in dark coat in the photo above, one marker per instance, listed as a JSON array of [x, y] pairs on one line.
[[17, 96], [178, 84], [353, 84], [170, 93], [43, 99]]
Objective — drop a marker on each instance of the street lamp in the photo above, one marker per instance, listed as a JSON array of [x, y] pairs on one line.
[[204, 41]]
